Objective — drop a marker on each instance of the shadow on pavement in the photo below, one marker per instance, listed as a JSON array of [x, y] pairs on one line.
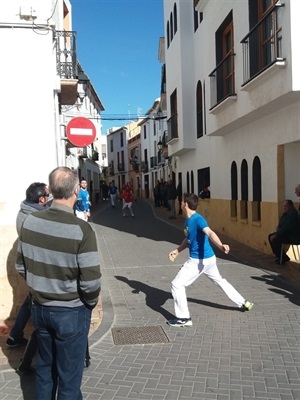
[[143, 224], [156, 298], [281, 287]]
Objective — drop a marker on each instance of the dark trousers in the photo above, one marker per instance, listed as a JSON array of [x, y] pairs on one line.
[[22, 318], [62, 335], [275, 243]]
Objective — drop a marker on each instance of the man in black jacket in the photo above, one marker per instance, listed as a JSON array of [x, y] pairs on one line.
[[288, 231], [171, 197]]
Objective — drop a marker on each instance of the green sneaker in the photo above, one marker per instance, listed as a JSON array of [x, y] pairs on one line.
[[247, 306]]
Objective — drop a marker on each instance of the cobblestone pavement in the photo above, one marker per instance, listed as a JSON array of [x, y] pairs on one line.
[[226, 355]]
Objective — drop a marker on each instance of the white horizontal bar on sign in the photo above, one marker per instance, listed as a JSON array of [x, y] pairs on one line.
[[81, 131]]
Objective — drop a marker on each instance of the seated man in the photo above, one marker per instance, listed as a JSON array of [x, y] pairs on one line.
[[288, 231]]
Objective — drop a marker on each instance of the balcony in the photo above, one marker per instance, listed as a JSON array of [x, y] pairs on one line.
[[262, 46], [172, 129], [135, 166], [144, 166], [95, 155], [153, 162], [66, 64], [222, 85], [121, 167]]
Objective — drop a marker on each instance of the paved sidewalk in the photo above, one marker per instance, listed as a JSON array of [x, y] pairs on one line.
[[226, 355]]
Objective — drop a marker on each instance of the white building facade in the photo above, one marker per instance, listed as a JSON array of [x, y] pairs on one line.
[[233, 99], [39, 77]]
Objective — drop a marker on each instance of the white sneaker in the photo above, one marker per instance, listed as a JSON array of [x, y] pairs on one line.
[[179, 322]]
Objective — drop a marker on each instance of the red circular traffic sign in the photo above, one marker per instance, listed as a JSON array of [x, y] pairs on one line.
[[81, 131]]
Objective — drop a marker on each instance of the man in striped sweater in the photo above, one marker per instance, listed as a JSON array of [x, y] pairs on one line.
[[58, 257]]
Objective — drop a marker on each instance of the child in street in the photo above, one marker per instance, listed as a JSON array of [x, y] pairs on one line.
[[202, 260]]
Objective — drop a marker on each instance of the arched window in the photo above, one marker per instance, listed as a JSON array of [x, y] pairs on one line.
[[172, 26], [256, 188], [168, 34], [234, 190], [192, 182], [244, 190], [188, 182], [199, 110], [175, 18]]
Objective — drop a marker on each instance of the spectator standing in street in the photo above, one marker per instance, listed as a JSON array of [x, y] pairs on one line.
[[156, 193], [58, 256], [171, 197], [179, 196], [83, 203], [37, 196], [113, 192], [104, 189], [202, 260]]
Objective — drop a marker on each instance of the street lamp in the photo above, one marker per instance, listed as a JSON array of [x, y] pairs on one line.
[[82, 84]]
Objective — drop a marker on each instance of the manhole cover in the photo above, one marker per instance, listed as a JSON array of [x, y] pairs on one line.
[[139, 335]]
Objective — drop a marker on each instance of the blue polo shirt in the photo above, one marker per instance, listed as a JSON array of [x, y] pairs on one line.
[[198, 241]]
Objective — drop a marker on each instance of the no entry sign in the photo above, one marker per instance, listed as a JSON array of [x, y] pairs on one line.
[[80, 131]]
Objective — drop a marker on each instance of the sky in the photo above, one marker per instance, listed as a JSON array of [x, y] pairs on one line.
[[117, 46]]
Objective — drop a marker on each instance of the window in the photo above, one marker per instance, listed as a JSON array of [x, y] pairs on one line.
[[244, 188], [171, 25], [222, 77], [111, 146], [121, 139], [256, 187], [172, 122], [175, 18], [262, 46], [145, 132], [168, 34], [198, 17], [234, 190], [203, 178], [192, 182], [199, 110]]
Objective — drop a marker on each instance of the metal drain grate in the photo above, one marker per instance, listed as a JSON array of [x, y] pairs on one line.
[[139, 335]]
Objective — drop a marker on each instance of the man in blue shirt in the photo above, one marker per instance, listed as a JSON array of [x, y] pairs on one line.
[[202, 260], [82, 205]]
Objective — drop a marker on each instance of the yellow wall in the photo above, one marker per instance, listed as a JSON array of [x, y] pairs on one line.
[[253, 234]]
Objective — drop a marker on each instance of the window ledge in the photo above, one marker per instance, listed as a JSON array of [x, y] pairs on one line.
[[253, 83], [256, 223], [224, 104]]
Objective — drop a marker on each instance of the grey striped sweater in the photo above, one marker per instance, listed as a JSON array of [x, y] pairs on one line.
[[58, 257]]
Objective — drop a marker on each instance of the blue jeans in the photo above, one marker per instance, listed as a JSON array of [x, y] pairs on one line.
[[23, 316], [62, 335]]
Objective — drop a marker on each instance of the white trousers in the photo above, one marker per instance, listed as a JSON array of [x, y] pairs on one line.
[[188, 273], [127, 205], [112, 199], [81, 215]]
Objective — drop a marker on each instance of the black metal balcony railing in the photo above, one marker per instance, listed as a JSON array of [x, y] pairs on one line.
[[172, 128], [121, 167], [222, 80], [144, 166], [66, 57], [135, 166], [153, 162], [95, 155], [262, 46]]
